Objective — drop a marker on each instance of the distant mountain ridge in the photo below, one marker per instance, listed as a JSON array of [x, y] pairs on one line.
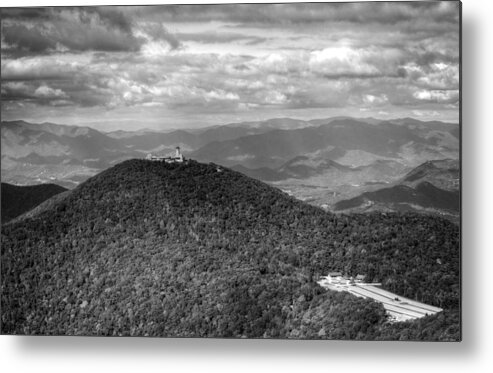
[[68, 143], [402, 198], [273, 148], [299, 167], [444, 174], [432, 187]]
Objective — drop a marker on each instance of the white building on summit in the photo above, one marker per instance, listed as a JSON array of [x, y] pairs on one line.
[[177, 158]]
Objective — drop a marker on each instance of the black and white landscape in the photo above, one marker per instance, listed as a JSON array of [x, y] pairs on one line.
[[317, 194]]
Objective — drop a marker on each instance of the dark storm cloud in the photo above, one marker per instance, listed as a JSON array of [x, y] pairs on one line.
[[157, 31], [31, 40], [48, 30], [291, 14], [113, 17], [67, 36], [74, 30], [23, 14]]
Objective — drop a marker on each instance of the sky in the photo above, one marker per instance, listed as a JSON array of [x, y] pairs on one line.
[[190, 66]]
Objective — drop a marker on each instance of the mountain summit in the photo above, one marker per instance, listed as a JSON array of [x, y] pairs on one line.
[[187, 250]]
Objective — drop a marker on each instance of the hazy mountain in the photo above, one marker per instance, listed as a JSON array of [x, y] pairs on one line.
[[262, 173], [404, 198], [192, 250], [17, 200], [432, 187], [300, 167], [158, 142], [47, 152], [78, 144], [188, 140], [444, 174], [192, 139], [385, 139], [275, 124]]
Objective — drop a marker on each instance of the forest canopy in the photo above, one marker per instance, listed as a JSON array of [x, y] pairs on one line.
[[193, 250]]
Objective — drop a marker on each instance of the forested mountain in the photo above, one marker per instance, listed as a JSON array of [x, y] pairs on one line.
[[197, 250], [17, 200]]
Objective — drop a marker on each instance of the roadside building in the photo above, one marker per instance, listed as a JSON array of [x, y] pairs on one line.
[[359, 278], [334, 277]]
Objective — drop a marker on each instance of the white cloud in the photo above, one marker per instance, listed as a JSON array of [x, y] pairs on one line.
[[156, 48], [436, 95], [221, 95], [275, 98], [152, 104], [41, 67], [15, 86], [44, 91], [375, 100], [279, 62], [347, 61]]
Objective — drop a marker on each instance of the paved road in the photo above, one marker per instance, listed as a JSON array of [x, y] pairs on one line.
[[391, 304], [402, 309], [404, 301]]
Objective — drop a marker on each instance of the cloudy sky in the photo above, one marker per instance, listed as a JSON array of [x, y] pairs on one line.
[[191, 66]]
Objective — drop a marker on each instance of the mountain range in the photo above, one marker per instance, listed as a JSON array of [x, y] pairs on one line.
[[322, 161], [335, 140], [199, 250]]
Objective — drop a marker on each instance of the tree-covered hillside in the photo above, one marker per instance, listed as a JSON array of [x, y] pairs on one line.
[[16, 200], [196, 250]]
